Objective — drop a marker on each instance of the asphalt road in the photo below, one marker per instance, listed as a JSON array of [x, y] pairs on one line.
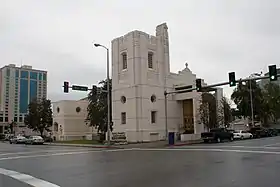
[[248, 163]]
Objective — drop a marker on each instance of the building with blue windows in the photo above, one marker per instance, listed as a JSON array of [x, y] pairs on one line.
[[18, 86]]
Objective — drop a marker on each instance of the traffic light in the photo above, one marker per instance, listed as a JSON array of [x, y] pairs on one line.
[[272, 72], [94, 90], [198, 85], [66, 87], [231, 77]]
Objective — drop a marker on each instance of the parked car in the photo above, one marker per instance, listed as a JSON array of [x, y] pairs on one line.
[[17, 140], [258, 132], [272, 132], [241, 134], [2, 137], [35, 140], [8, 137], [47, 138], [217, 135]]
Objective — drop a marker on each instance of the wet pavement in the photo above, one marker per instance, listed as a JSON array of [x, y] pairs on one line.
[[250, 163]]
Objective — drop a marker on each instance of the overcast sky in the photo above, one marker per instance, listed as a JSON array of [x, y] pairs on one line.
[[213, 36]]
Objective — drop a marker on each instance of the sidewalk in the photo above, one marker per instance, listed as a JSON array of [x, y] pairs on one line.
[[158, 144]]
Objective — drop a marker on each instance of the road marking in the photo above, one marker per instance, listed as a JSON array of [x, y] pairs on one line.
[[236, 146], [28, 179], [268, 145], [212, 150], [46, 151], [62, 154]]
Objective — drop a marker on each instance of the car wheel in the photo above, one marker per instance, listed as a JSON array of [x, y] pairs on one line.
[[218, 140], [231, 138], [242, 137], [251, 136]]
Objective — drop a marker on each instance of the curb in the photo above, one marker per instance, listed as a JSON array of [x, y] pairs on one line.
[[186, 143], [88, 146]]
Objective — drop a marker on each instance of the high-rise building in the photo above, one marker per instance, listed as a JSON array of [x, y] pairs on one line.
[[18, 86]]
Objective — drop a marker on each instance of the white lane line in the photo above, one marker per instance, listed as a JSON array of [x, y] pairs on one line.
[[46, 151], [213, 150], [28, 179], [268, 145], [62, 154], [235, 146]]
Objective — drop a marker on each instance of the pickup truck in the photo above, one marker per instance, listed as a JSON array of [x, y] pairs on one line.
[[217, 135]]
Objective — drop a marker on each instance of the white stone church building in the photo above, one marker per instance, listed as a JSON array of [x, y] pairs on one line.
[[140, 75]]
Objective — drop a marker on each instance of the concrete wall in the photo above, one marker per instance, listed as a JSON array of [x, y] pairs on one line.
[[71, 124]]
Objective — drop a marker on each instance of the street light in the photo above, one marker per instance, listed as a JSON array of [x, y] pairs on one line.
[[251, 95], [108, 91]]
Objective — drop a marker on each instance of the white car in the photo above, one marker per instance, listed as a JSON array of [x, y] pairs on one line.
[[35, 140], [17, 140], [241, 134]]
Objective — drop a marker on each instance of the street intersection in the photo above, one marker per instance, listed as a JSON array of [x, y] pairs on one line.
[[231, 164]]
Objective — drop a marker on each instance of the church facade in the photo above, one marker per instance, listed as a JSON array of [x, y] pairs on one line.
[[140, 75]]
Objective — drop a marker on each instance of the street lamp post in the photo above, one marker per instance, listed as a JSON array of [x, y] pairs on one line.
[[108, 92]]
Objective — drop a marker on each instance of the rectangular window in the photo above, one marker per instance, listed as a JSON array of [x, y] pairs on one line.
[[32, 89], [24, 74], [123, 118], [6, 119], [8, 72], [153, 116], [17, 73], [150, 60], [1, 119], [23, 96], [15, 119], [124, 60], [45, 76], [33, 75], [40, 76], [20, 119]]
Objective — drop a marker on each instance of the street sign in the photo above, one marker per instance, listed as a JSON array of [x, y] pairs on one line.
[[80, 88]]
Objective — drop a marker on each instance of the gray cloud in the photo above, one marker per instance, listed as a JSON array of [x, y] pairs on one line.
[[215, 36]]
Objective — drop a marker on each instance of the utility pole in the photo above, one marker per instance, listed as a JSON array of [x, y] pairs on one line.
[[251, 96], [165, 108]]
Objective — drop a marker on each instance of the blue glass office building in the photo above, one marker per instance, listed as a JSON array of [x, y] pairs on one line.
[[19, 85]]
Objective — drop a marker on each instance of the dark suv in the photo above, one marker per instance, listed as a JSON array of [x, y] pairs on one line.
[[258, 132]]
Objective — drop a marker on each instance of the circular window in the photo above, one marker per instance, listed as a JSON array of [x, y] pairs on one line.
[[57, 109], [153, 98], [123, 99], [78, 109]]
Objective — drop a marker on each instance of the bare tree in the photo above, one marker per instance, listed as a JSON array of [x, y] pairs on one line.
[[204, 114], [207, 111], [224, 115]]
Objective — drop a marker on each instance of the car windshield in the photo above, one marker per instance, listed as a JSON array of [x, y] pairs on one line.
[[37, 137]]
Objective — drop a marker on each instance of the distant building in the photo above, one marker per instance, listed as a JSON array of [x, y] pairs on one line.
[[140, 75], [18, 86], [69, 120]]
